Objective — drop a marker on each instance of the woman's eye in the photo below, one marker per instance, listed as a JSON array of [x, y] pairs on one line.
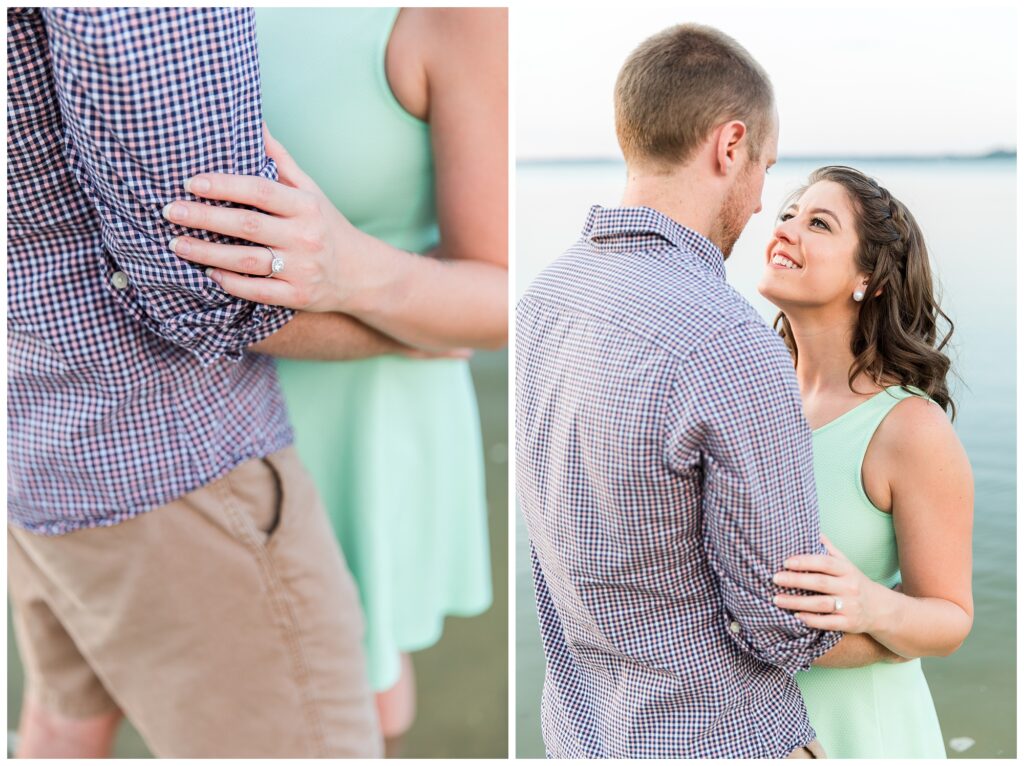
[[821, 223], [785, 217]]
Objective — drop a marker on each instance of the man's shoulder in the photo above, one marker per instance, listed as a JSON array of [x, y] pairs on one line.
[[670, 301]]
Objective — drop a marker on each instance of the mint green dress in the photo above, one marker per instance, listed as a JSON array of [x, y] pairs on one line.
[[881, 710], [393, 444]]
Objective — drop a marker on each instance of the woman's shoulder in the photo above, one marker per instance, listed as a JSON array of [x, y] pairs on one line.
[[916, 456], [917, 438], [442, 47], [916, 411], [448, 32], [450, 39]]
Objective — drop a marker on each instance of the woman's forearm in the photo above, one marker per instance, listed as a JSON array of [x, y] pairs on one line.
[[920, 626], [430, 301]]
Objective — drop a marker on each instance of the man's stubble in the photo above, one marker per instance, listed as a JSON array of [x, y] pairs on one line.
[[735, 212]]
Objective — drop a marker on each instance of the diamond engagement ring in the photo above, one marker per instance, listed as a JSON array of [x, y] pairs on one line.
[[839, 604], [276, 262]]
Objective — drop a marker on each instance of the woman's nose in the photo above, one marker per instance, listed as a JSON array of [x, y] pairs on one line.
[[786, 232]]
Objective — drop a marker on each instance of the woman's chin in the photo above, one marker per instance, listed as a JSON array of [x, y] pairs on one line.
[[767, 291]]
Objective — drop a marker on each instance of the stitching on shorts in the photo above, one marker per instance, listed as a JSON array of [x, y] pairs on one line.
[[284, 617]]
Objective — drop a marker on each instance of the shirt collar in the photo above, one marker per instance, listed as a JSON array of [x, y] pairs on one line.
[[617, 229]]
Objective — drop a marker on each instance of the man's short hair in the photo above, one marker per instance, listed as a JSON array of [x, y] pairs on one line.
[[681, 83]]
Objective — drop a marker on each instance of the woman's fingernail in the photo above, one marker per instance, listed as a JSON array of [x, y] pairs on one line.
[[212, 274], [775, 599], [181, 246], [195, 185], [775, 579], [175, 212]]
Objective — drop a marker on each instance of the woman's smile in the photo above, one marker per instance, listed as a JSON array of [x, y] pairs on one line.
[[780, 260]]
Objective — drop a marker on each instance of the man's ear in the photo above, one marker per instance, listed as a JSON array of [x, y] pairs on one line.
[[728, 140]]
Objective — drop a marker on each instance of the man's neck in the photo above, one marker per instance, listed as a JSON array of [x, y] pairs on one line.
[[680, 195]]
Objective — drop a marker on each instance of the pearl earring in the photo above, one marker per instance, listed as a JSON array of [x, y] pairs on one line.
[[858, 295]]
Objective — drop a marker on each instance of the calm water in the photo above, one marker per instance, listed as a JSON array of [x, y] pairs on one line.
[[967, 211]]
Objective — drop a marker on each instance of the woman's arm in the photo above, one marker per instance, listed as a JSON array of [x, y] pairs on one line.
[[459, 297], [455, 300], [932, 499], [932, 495]]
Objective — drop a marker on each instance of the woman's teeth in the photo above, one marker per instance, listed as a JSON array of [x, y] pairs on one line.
[[781, 260]]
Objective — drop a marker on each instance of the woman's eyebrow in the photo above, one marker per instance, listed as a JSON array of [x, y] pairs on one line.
[[826, 211]]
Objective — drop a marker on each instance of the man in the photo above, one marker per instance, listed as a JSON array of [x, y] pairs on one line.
[[169, 559], [663, 461]]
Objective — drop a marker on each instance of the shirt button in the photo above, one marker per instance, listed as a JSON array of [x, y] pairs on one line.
[[120, 280], [734, 627]]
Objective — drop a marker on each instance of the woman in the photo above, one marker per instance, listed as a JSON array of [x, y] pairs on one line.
[[849, 270], [401, 119]]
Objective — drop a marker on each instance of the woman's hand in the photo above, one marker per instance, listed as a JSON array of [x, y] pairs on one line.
[[860, 599], [318, 245], [452, 63]]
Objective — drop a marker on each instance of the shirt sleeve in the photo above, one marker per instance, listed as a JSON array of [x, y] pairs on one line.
[[737, 418], [148, 98]]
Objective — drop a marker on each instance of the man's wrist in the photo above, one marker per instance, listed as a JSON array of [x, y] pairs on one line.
[[327, 337]]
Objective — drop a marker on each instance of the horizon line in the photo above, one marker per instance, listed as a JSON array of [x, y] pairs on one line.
[[996, 154]]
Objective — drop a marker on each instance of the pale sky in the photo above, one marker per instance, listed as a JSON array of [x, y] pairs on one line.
[[885, 78]]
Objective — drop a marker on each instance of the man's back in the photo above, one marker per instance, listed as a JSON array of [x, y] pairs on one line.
[[652, 526]]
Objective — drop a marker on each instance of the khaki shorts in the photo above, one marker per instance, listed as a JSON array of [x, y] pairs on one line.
[[224, 624]]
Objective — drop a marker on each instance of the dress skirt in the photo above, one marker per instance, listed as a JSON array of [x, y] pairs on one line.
[[394, 447]]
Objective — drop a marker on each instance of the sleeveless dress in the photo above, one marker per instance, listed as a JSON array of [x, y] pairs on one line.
[[882, 710], [393, 444]]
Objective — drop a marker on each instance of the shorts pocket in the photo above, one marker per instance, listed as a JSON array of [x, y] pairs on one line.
[[255, 491]]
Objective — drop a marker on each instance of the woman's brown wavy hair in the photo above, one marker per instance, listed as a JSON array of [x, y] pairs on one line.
[[896, 338]]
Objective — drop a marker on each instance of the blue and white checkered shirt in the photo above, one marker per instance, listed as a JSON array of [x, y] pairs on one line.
[[128, 381], [664, 470]]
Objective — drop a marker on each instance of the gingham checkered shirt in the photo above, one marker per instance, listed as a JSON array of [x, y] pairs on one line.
[[664, 471], [128, 381]]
